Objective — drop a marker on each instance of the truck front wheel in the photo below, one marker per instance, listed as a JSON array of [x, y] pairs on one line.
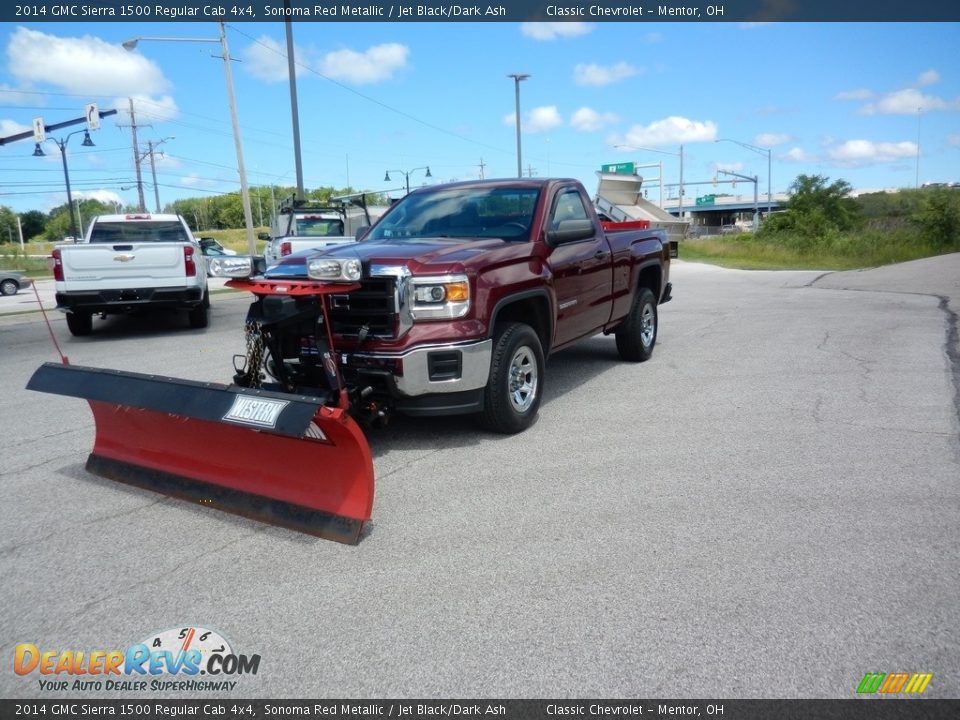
[[637, 334], [513, 392]]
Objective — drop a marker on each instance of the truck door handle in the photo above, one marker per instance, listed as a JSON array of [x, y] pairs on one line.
[[600, 254]]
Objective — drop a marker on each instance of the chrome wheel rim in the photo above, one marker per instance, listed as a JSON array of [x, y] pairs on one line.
[[648, 325], [522, 381]]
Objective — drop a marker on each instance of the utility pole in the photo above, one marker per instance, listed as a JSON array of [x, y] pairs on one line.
[[142, 206], [482, 166], [530, 170], [153, 173], [294, 112]]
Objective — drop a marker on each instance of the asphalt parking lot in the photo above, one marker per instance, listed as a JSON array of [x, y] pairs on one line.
[[770, 507]]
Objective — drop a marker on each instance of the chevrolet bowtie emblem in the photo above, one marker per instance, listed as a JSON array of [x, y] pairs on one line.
[[123, 258]]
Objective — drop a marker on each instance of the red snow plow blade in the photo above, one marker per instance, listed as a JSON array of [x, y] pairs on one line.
[[285, 459]]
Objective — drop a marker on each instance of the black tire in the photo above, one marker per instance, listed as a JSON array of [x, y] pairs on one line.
[[637, 334], [80, 323], [512, 396], [9, 287], [199, 316]]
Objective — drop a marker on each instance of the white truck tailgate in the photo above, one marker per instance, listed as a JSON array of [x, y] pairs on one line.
[[120, 266]]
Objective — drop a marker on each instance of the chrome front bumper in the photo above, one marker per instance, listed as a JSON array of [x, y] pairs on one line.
[[438, 368]]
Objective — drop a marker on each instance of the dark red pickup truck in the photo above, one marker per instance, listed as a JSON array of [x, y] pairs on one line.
[[452, 301]]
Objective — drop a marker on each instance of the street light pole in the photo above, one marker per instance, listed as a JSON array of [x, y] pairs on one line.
[[62, 144], [763, 151], [406, 174], [235, 123], [517, 77]]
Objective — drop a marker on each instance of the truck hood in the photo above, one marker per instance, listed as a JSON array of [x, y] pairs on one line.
[[420, 255]]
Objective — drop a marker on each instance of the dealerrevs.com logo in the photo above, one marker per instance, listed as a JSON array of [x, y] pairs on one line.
[[894, 683], [171, 660]]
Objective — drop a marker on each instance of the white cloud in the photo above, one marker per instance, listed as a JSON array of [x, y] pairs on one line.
[[953, 139], [929, 77], [108, 197], [147, 109], [858, 94], [376, 64], [797, 154], [553, 30], [598, 75], [589, 120], [731, 167], [908, 102], [86, 65], [12, 127], [652, 38], [266, 60], [670, 131], [163, 161], [857, 153], [194, 180], [772, 139], [13, 96], [540, 119]]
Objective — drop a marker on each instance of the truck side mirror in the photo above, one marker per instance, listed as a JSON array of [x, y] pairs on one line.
[[263, 236], [570, 231], [362, 231]]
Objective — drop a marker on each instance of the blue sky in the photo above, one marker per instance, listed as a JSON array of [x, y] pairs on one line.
[[834, 99]]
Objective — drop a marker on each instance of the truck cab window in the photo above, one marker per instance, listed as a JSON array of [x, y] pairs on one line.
[[567, 206]]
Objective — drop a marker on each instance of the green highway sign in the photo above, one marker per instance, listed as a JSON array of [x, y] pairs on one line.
[[627, 168], [706, 200]]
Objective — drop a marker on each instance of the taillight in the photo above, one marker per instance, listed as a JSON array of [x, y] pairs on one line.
[[57, 265], [285, 248], [189, 265]]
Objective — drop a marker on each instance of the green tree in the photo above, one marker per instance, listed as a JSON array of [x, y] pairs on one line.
[[816, 208], [32, 222], [937, 217]]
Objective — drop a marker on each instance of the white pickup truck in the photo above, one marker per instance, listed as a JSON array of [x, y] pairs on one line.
[[127, 263], [298, 226]]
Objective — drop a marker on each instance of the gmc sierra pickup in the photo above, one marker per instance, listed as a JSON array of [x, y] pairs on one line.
[[452, 301]]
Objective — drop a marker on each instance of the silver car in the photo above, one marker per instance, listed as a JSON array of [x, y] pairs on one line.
[[12, 281]]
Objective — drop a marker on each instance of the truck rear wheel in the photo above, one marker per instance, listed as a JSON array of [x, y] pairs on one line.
[[80, 323], [513, 392], [199, 316], [637, 334]]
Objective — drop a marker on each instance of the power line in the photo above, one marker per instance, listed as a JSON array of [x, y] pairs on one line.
[[359, 94]]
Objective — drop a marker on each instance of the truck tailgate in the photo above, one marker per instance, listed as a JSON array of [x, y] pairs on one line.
[[137, 265]]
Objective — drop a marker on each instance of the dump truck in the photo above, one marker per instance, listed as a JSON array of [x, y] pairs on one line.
[[450, 304]]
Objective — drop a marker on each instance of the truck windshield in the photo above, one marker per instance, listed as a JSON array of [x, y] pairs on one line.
[[308, 226], [483, 212], [138, 231]]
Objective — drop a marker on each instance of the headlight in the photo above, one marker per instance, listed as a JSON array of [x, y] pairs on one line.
[[235, 266], [333, 270], [440, 298]]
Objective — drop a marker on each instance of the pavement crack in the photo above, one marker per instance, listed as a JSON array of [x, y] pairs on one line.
[[817, 417], [409, 463], [33, 541]]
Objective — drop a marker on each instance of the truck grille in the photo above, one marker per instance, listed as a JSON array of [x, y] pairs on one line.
[[373, 305]]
